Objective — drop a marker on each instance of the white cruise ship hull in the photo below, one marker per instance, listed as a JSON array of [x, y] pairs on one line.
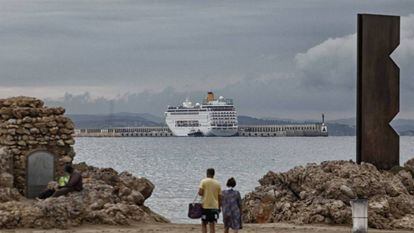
[[224, 132], [209, 132]]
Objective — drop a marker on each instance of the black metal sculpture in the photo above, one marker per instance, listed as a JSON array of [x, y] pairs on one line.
[[378, 89]]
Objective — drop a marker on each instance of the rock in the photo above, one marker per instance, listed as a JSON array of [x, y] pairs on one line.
[[66, 159], [136, 198], [9, 194], [406, 222], [409, 165], [6, 180], [321, 193], [34, 131], [143, 185], [21, 143], [12, 121], [407, 180], [70, 142], [347, 191]]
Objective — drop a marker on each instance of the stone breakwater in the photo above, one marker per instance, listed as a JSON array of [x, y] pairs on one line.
[[322, 193], [108, 197]]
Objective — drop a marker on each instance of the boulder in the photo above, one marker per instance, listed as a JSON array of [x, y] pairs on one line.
[[322, 193], [409, 165]]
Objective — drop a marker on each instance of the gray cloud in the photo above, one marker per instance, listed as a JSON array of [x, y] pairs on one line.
[[274, 57]]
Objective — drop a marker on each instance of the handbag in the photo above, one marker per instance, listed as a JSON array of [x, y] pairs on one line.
[[195, 209]]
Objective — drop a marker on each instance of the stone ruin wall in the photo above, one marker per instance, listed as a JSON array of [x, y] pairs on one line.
[[26, 126]]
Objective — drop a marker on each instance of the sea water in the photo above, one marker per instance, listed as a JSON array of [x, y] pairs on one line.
[[177, 164]]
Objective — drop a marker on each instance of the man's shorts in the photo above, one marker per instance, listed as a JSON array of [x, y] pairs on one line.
[[210, 216]]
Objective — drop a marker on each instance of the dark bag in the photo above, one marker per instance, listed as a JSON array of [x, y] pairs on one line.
[[195, 210]]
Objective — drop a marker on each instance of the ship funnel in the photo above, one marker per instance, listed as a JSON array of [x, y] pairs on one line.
[[210, 96]]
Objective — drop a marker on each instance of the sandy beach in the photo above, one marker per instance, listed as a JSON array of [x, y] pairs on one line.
[[187, 228]]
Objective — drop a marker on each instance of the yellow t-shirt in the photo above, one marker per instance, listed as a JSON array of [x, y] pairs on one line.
[[211, 189]]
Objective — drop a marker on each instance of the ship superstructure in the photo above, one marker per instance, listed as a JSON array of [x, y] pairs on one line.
[[214, 117]]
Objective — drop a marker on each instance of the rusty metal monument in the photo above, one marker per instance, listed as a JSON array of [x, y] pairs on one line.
[[378, 90]]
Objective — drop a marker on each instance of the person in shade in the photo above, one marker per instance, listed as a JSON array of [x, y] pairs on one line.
[[53, 186], [74, 184], [231, 207], [210, 190]]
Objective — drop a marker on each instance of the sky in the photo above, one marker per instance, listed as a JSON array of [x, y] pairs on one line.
[[281, 59]]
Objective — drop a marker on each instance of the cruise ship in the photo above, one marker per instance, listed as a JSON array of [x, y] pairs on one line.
[[214, 117]]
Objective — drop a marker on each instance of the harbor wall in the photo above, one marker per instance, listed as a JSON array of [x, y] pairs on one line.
[[296, 130]]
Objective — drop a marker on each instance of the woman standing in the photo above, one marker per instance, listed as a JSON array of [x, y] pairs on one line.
[[231, 207]]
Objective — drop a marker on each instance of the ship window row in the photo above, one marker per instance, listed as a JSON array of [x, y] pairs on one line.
[[224, 118], [223, 125], [187, 124], [230, 122], [182, 109], [222, 113], [184, 113], [221, 109]]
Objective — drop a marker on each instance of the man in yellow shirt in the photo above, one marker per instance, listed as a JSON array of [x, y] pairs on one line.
[[210, 190]]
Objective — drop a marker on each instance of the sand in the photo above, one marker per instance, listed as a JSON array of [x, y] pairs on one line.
[[187, 228]]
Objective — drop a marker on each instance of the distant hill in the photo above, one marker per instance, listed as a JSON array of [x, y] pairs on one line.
[[404, 127], [344, 121], [336, 129], [247, 120], [407, 133], [145, 116], [115, 120]]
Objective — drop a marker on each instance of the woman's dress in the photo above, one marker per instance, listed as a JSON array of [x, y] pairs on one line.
[[231, 201]]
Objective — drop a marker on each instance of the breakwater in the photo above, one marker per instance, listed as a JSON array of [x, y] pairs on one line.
[[293, 130]]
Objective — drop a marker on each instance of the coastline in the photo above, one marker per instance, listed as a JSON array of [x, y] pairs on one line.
[[187, 228]]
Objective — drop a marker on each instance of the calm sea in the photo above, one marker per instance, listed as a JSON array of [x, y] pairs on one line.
[[176, 165]]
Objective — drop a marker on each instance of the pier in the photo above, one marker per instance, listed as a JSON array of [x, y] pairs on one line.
[[301, 130], [125, 132], [293, 130]]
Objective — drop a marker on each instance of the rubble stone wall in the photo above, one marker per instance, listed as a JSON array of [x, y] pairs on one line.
[[26, 126]]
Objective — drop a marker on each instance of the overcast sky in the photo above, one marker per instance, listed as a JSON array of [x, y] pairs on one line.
[[275, 58]]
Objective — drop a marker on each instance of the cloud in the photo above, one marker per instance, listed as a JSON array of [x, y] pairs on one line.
[[272, 57], [330, 64]]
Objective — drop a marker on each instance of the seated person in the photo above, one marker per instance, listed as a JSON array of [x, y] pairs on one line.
[[74, 184], [53, 186]]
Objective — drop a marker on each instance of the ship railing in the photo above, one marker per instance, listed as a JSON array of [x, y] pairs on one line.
[[227, 101]]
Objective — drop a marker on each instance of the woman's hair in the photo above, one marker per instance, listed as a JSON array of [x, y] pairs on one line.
[[231, 182]]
